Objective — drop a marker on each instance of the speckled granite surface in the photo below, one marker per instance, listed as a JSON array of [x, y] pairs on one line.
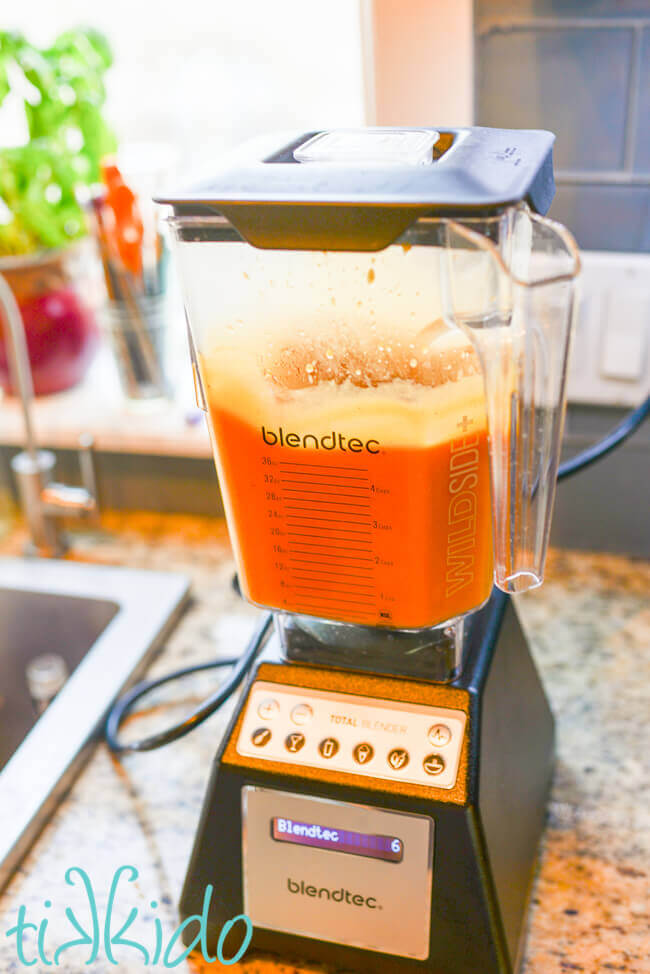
[[590, 630]]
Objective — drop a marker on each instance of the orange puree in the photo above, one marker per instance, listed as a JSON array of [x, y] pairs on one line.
[[357, 530]]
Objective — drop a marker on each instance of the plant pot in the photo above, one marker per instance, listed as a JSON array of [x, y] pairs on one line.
[[52, 291]]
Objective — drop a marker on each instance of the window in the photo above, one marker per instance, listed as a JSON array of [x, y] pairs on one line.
[[206, 75]]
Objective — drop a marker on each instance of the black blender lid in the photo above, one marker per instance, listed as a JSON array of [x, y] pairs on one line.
[[359, 189]]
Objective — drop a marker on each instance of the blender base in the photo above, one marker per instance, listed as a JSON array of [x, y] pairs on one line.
[[434, 654], [452, 896]]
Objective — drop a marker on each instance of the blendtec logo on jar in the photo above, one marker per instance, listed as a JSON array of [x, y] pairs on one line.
[[329, 441]]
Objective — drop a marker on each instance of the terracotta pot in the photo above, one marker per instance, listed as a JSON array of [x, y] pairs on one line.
[[60, 327]]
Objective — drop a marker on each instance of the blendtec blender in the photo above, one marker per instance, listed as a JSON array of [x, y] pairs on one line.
[[379, 325]]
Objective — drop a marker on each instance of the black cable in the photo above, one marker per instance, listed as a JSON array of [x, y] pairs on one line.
[[124, 704], [625, 428], [243, 663]]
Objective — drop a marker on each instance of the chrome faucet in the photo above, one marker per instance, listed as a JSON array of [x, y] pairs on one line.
[[44, 502]]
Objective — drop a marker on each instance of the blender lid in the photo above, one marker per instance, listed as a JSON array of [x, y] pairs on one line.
[[360, 189]]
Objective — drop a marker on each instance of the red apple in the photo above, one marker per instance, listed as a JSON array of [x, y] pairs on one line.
[[62, 337]]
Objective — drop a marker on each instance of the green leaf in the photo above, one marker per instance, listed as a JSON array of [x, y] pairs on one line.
[[5, 87], [67, 97]]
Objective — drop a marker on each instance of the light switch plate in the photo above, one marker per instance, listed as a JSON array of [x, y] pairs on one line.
[[610, 353]]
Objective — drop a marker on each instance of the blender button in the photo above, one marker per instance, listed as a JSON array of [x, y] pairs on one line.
[[294, 742], [329, 747], [268, 709], [363, 753], [398, 758], [261, 736], [302, 714], [439, 735], [433, 764]]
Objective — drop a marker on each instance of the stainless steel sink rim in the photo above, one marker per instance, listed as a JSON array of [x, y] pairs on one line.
[[42, 768]]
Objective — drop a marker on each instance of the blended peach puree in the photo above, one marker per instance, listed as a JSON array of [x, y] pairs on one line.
[[355, 479]]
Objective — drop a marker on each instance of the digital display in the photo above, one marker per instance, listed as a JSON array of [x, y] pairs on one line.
[[387, 847]]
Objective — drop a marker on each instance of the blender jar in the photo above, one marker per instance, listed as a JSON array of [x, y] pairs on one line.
[[385, 396], [350, 431]]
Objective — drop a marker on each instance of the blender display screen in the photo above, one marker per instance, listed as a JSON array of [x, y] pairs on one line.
[[387, 847]]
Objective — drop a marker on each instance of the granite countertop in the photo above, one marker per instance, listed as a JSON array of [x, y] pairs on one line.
[[590, 630]]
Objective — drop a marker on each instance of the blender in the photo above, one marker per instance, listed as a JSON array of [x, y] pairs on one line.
[[379, 323]]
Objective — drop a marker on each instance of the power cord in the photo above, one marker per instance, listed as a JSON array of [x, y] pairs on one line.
[[242, 664], [618, 435]]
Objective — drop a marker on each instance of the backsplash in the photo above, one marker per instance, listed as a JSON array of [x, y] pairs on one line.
[[580, 68]]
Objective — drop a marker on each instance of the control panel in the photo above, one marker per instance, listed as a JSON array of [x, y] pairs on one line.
[[352, 734], [336, 871]]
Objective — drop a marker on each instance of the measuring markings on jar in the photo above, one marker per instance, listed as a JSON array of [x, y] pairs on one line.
[[328, 537]]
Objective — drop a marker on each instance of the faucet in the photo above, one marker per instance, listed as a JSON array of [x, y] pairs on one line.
[[44, 501]]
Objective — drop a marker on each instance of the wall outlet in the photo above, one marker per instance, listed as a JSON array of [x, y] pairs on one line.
[[610, 353]]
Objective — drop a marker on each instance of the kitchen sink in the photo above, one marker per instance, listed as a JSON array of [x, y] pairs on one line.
[[103, 624], [31, 622]]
